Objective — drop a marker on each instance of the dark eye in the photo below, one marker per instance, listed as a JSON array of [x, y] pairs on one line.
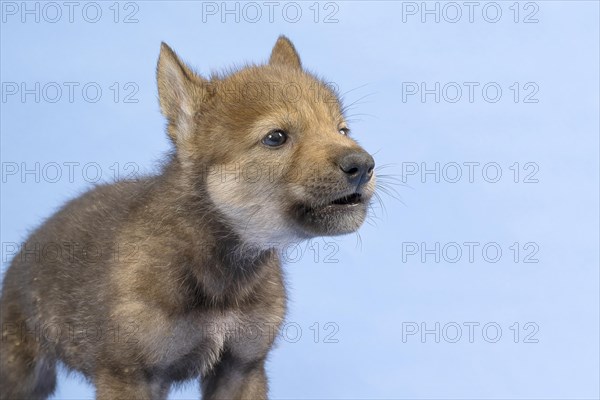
[[344, 131], [275, 138]]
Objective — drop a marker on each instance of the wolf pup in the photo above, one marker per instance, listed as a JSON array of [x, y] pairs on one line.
[[141, 284]]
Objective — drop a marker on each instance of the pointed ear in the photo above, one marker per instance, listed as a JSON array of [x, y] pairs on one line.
[[284, 53], [178, 86]]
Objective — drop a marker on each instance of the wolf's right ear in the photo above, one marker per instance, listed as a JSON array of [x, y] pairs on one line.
[[178, 87]]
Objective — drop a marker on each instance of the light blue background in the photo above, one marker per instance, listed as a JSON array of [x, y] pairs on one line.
[[370, 292]]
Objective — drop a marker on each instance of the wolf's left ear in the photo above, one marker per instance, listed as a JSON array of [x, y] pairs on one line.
[[284, 53], [178, 87]]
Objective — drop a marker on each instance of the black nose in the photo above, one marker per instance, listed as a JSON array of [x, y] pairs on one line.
[[358, 166]]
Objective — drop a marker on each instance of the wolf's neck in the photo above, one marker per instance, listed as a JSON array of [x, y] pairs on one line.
[[225, 268]]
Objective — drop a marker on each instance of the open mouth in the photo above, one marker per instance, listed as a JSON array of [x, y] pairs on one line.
[[352, 199], [343, 215], [348, 204]]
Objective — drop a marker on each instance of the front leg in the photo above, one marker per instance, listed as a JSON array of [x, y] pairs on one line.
[[117, 385], [233, 378]]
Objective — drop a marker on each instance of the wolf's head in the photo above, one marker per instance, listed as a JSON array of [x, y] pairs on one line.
[[270, 146]]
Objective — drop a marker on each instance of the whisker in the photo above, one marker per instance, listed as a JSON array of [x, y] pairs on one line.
[[351, 90], [391, 185], [390, 193], [355, 103], [358, 241], [381, 204], [392, 181]]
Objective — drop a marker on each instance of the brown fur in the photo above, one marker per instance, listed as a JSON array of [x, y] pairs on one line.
[[186, 280]]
